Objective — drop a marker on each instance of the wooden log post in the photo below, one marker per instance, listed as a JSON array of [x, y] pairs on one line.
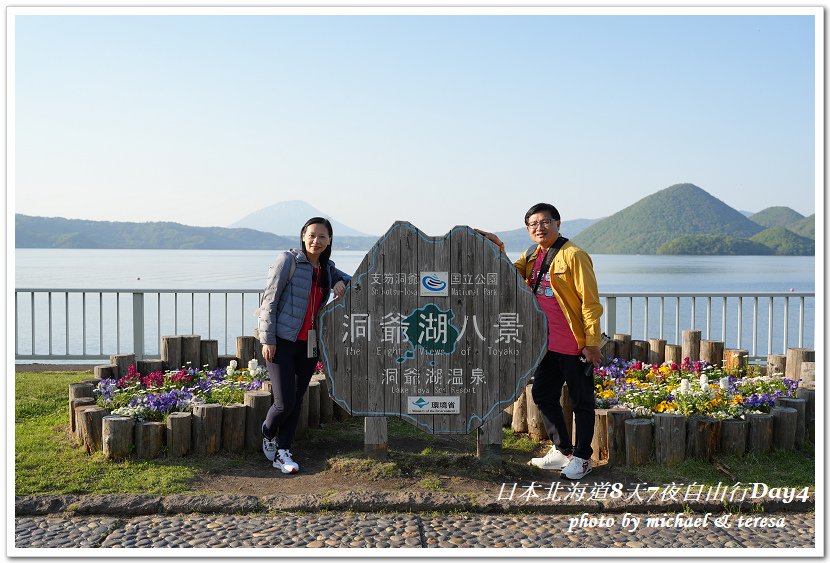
[[489, 441], [146, 367], [233, 427], [178, 433], [656, 351], [623, 346], [209, 353], [535, 422], [776, 364], [669, 438], [191, 351], [567, 411], [326, 404], [266, 387], [638, 440], [640, 350], [808, 375], [609, 351], [800, 405], [224, 361], [616, 435], [74, 405], [519, 424], [171, 352], [809, 396], [123, 362], [117, 436], [690, 345], [674, 354], [246, 349], [149, 439], [734, 433], [313, 404], [375, 437], [91, 422], [784, 427], [81, 390], [599, 443], [795, 357], [206, 429], [257, 404], [106, 372], [735, 360], [302, 423], [711, 352], [702, 437], [760, 433]]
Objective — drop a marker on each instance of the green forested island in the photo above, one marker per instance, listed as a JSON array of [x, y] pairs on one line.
[[681, 220]]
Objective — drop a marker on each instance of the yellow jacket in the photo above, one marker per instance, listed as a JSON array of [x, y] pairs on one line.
[[575, 287]]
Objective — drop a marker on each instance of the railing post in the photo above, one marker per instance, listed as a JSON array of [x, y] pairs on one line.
[[610, 315], [138, 325]]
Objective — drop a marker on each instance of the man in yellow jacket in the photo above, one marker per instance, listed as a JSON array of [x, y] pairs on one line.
[[567, 293]]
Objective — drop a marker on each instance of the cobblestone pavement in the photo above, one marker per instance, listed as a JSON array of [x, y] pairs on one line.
[[427, 530]]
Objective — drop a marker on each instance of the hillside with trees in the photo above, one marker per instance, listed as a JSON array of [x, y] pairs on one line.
[[57, 232], [707, 245], [777, 217], [682, 209], [785, 242]]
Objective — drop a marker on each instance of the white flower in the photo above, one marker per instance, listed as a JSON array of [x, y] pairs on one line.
[[229, 370], [724, 383], [232, 365], [704, 386], [704, 381], [252, 365], [685, 386]]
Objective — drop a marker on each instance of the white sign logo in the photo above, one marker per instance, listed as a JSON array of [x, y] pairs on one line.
[[434, 284], [433, 405]]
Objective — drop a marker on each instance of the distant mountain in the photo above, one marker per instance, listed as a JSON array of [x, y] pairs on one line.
[[57, 232], [286, 218], [718, 245], [682, 209], [777, 217], [805, 227], [785, 242], [518, 239]]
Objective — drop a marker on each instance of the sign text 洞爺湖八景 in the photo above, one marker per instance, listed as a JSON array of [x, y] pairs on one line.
[[440, 331]]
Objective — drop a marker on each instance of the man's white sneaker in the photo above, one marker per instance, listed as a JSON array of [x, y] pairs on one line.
[[284, 463], [577, 468], [554, 459], [269, 447]]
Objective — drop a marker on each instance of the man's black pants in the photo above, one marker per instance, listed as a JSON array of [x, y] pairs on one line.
[[554, 371]]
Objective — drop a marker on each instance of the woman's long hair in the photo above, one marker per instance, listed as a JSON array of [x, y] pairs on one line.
[[324, 257]]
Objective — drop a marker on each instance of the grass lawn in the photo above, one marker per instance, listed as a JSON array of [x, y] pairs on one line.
[[49, 461]]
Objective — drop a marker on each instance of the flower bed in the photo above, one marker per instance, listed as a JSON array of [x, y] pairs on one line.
[[154, 396], [688, 389]]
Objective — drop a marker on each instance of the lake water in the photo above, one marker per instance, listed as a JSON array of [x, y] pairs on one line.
[[245, 270]]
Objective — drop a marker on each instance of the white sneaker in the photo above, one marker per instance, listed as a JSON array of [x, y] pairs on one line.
[[269, 447], [554, 459], [577, 468], [284, 463]]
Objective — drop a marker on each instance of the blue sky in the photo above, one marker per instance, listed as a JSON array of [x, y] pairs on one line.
[[439, 120]]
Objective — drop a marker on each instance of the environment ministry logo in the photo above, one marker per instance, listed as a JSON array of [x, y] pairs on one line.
[[434, 284], [420, 403]]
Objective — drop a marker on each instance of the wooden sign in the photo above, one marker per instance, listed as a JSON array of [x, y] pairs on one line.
[[440, 331]]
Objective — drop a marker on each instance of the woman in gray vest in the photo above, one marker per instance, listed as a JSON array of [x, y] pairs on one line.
[[299, 284]]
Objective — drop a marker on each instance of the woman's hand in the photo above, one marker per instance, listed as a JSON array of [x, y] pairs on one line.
[[269, 351], [339, 289]]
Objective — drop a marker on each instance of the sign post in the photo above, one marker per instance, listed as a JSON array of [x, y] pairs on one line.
[[440, 331]]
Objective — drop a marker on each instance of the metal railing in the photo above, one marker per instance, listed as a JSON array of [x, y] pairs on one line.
[[92, 324]]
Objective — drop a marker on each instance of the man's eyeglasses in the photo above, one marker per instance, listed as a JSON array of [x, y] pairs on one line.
[[543, 223]]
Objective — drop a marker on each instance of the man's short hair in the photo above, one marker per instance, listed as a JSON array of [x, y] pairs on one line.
[[539, 207]]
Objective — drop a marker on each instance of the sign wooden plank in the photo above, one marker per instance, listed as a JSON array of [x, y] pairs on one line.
[[440, 331]]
